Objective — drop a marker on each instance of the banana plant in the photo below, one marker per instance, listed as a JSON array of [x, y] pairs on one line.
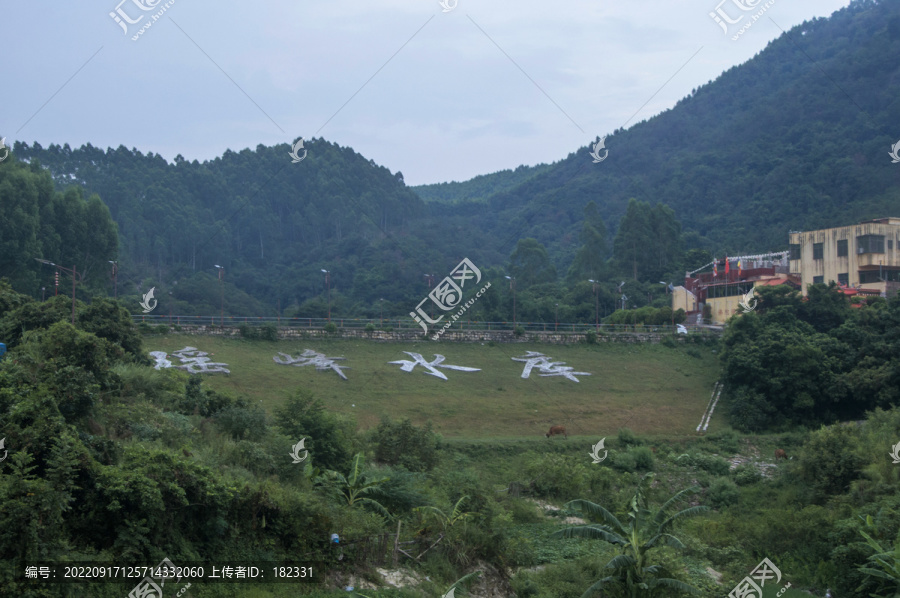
[[355, 486], [455, 516], [884, 564], [633, 575]]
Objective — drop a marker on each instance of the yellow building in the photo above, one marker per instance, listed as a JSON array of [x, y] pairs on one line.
[[865, 256]]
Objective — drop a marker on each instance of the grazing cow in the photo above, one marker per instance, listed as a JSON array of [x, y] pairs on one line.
[[780, 454], [554, 430]]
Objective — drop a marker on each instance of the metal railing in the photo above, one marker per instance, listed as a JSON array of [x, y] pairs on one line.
[[411, 325]]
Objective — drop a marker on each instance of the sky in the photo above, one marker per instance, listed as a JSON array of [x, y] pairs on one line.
[[437, 92]]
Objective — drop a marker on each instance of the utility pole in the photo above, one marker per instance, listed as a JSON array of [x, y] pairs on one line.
[[596, 304], [222, 287], [73, 271], [328, 285], [512, 286], [115, 275]]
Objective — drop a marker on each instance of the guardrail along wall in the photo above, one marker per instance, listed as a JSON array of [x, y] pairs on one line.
[[470, 336]]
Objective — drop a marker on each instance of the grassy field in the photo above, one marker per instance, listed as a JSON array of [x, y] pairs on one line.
[[652, 389]]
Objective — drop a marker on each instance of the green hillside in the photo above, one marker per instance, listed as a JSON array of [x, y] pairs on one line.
[[796, 138], [651, 389]]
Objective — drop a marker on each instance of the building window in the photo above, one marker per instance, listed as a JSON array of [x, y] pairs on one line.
[[795, 252], [890, 243], [842, 248], [818, 280], [870, 244], [844, 279], [818, 253]]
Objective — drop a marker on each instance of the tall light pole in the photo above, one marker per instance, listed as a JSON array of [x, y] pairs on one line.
[[74, 272], [381, 303], [430, 278], [596, 304], [512, 285], [328, 286], [115, 275], [42, 293], [222, 287]]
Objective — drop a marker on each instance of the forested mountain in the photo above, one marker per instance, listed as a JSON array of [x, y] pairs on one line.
[[480, 187], [796, 138]]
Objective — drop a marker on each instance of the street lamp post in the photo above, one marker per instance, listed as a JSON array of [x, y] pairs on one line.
[[328, 286], [74, 272], [430, 278], [115, 275], [512, 285], [222, 287], [381, 303], [42, 293], [596, 304]]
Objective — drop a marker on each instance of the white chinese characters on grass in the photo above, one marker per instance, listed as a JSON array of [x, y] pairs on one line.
[[547, 367], [194, 362], [310, 357], [407, 366], [752, 585]]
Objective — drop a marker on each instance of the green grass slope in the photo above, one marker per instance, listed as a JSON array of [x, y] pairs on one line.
[[651, 389]]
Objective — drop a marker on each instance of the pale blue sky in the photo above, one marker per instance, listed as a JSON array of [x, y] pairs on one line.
[[449, 105]]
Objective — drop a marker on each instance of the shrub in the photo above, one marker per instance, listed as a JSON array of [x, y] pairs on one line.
[[711, 463], [561, 476], [328, 439], [404, 444], [628, 438], [723, 492], [590, 337], [668, 341], [518, 331], [331, 328], [162, 329], [241, 421], [643, 458], [624, 461], [746, 475], [694, 353], [268, 332], [370, 327]]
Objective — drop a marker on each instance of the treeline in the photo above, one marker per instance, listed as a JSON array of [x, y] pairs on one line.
[[807, 362]]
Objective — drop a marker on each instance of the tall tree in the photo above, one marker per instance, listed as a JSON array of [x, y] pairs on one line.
[[633, 237], [590, 258], [530, 265]]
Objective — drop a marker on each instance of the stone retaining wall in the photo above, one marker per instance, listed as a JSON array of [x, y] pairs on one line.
[[460, 336]]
